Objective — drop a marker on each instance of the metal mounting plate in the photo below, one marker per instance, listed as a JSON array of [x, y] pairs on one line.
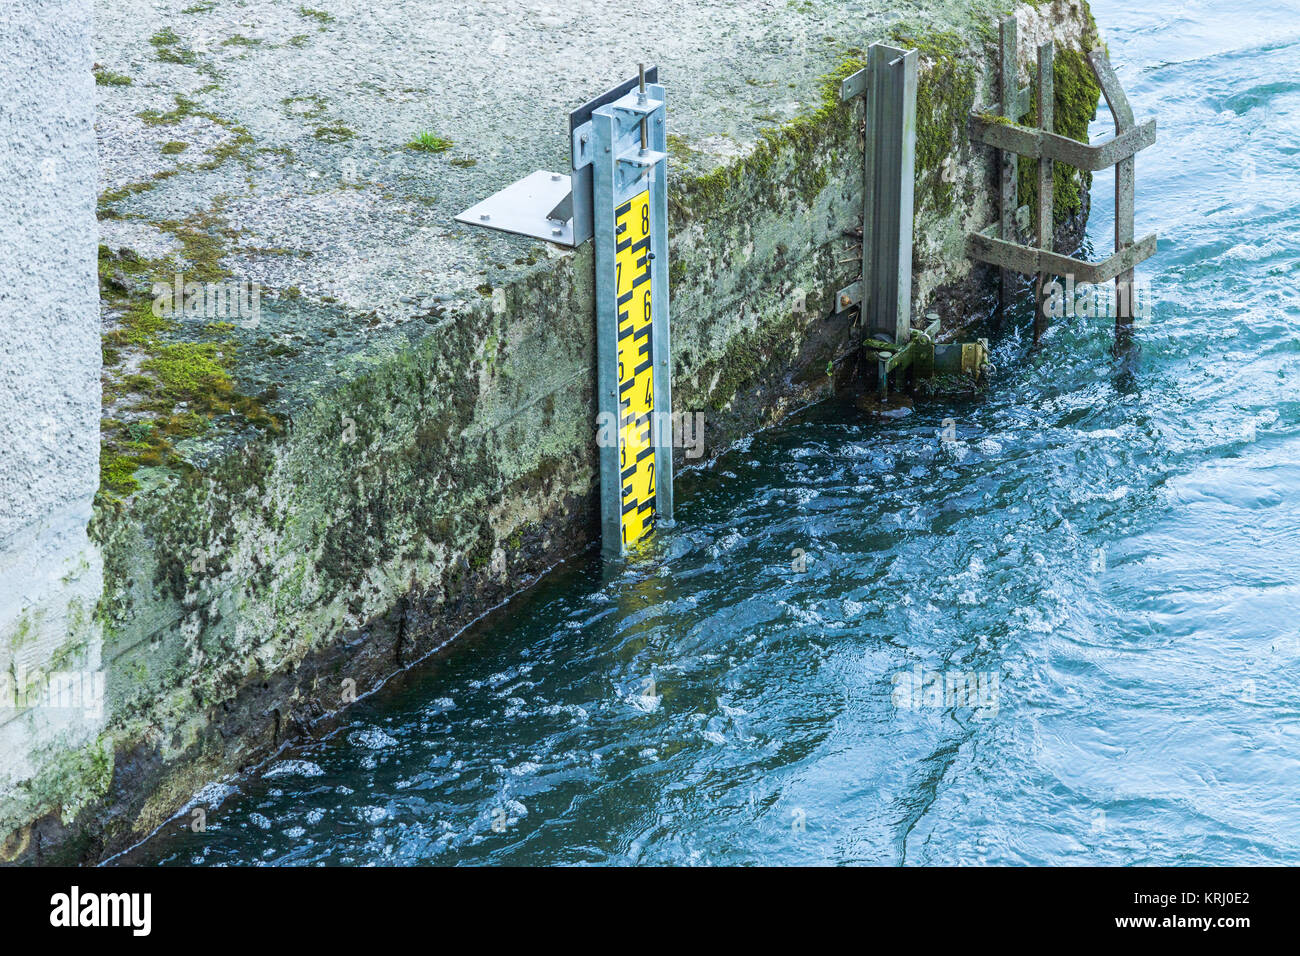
[[526, 207], [523, 206]]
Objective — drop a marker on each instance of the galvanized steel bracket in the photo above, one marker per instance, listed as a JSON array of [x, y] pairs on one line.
[[547, 205]]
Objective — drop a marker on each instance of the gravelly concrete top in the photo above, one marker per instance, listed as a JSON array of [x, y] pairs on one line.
[[290, 140], [331, 97]]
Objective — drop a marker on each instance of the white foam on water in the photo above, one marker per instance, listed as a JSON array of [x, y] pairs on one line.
[[293, 768], [372, 738]]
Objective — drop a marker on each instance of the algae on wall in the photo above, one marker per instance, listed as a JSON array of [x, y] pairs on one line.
[[1075, 96]]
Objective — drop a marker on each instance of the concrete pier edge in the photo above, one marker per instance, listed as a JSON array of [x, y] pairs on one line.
[[292, 510]]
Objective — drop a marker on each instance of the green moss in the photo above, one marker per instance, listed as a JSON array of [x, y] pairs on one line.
[[70, 653], [188, 368], [143, 408], [169, 50], [320, 16], [184, 107], [203, 244], [945, 95], [678, 149], [23, 633], [313, 106], [299, 39], [240, 40], [137, 325], [111, 196], [106, 77], [801, 136], [75, 778], [747, 356], [174, 147], [334, 133], [989, 116], [464, 162], [1075, 97], [117, 473], [234, 147]]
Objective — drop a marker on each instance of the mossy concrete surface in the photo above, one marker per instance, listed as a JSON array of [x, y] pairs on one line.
[[296, 505]]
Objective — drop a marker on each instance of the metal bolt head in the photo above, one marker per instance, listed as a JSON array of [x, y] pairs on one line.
[[845, 300]]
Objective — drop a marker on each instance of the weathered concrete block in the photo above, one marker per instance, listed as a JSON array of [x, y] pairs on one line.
[[300, 498]]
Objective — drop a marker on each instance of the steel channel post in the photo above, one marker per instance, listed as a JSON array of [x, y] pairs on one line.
[[663, 368], [904, 70], [870, 109], [885, 194], [1122, 113]]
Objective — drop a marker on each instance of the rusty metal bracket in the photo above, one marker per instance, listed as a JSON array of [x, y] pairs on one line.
[[999, 244], [925, 357]]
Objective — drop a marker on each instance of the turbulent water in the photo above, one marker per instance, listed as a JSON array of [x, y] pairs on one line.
[[1097, 559]]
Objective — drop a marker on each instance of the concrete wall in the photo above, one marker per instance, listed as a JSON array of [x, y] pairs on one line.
[[373, 464], [50, 575]]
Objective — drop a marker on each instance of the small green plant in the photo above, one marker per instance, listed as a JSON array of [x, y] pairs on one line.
[[430, 142], [173, 147], [140, 431], [320, 16]]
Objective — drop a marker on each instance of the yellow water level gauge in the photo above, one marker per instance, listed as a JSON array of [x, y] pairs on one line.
[[630, 216]]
